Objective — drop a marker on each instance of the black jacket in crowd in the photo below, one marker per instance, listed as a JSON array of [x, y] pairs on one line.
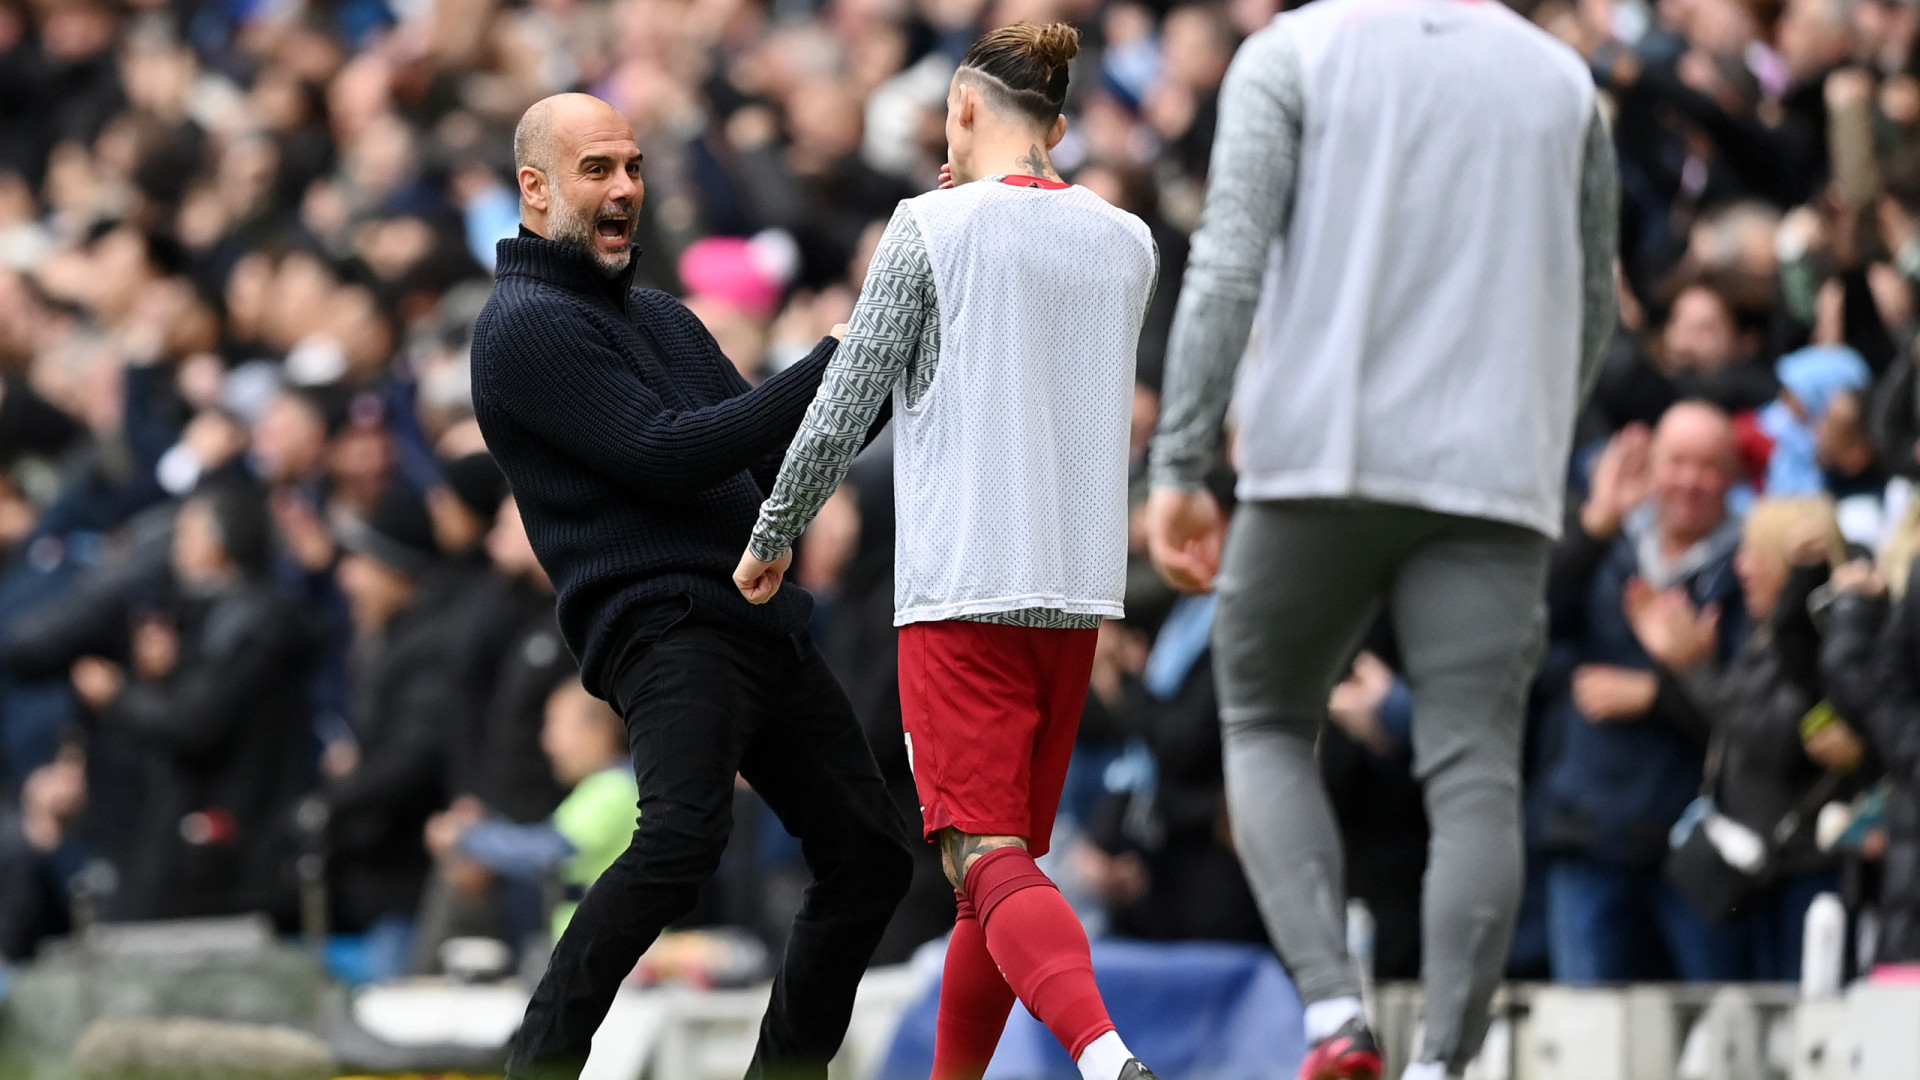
[[638, 454], [512, 774], [1754, 705], [1894, 419], [483, 613], [228, 748], [402, 693], [1875, 674]]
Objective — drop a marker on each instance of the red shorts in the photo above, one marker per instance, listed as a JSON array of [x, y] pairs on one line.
[[991, 713]]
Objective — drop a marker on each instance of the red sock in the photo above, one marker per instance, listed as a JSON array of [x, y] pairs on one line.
[[974, 1002], [1040, 946]]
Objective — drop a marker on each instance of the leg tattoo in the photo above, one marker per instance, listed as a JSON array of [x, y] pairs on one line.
[[959, 851]]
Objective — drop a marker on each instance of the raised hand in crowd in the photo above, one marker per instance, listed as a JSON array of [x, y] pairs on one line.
[[98, 681], [1622, 479], [305, 534], [1861, 577], [52, 797], [156, 649]]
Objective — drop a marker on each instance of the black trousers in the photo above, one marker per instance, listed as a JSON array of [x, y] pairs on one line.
[[704, 697]]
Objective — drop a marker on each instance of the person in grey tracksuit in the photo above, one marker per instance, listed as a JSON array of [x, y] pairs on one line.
[[1411, 214]]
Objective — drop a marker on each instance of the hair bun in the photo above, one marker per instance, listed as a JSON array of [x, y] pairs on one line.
[[1028, 62], [1055, 43]]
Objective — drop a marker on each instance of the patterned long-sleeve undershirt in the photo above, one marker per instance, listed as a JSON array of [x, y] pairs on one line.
[[1250, 188], [893, 338]]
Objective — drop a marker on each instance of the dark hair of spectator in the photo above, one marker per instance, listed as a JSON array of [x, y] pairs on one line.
[[1748, 299], [1024, 67], [240, 517], [398, 534], [331, 405], [477, 482]]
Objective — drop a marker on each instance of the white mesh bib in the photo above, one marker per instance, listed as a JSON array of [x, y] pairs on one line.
[[1010, 476]]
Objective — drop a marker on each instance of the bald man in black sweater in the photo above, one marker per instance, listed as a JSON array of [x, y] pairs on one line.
[[639, 458]]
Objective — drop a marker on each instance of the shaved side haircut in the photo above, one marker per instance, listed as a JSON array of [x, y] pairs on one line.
[[533, 138]]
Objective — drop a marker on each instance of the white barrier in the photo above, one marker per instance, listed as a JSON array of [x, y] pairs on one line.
[[1822, 1049], [1579, 1034], [691, 1034], [1677, 1031], [1883, 1026]]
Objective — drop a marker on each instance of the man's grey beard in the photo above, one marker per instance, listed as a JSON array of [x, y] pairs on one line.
[[572, 225]]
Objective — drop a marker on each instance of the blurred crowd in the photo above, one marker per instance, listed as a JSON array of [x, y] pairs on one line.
[[271, 634], [272, 637]]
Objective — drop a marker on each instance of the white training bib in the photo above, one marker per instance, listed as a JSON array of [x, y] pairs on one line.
[[1010, 479]]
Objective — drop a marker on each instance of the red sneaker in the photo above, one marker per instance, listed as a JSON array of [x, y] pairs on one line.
[[1348, 1054]]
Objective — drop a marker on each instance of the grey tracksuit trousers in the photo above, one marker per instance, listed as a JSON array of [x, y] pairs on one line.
[[1300, 584]]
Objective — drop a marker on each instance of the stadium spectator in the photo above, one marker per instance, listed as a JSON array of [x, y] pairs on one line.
[[512, 657], [586, 746], [1165, 865], [508, 777], [1707, 349], [1783, 752], [1622, 760], [480, 609], [1873, 654], [214, 697], [1810, 380], [386, 775]]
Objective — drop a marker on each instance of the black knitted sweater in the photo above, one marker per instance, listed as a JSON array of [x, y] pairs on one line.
[[637, 453]]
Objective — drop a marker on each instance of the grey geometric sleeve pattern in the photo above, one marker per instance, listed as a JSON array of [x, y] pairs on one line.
[[893, 337], [1250, 185], [1599, 239], [886, 341]]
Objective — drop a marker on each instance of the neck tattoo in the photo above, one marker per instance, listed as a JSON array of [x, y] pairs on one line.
[[1036, 163]]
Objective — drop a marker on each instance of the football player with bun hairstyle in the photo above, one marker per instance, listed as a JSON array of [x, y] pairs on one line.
[[1010, 87], [1011, 488]]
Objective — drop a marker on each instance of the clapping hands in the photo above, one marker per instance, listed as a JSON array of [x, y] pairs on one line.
[[1677, 635]]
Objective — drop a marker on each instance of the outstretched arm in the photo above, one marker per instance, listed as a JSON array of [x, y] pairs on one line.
[[584, 399], [883, 341]]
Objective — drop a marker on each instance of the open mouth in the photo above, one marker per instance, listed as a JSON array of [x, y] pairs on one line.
[[612, 228]]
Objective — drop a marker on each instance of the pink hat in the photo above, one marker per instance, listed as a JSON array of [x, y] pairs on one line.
[[749, 274]]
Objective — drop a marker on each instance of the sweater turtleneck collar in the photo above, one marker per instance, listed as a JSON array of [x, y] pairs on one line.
[[532, 255]]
